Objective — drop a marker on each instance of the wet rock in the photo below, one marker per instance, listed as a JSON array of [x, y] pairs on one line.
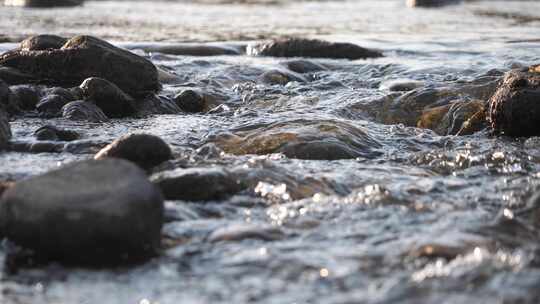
[[5, 129], [190, 101], [408, 108], [474, 124], [431, 3], [241, 232], [83, 57], [153, 104], [43, 3], [85, 212], [196, 184], [303, 66], [42, 42], [49, 132], [195, 101], [13, 76], [302, 139], [514, 109], [281, 77], [51, 105], [76, 92], [450, 119], [66, 93], [145, 150], [27, 96], [108, 97], [298, 47], [83, 110]]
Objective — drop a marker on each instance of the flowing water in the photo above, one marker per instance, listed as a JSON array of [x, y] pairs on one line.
[[410, 217]]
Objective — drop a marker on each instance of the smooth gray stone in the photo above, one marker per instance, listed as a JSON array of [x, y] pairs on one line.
[[85, 212]]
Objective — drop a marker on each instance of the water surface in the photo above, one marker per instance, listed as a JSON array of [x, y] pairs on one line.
[[416, 218]]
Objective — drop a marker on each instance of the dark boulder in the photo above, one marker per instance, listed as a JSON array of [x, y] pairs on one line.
[[83, 110], [145, 150], [51, 105], [26, 96], [298, 47], [49, 132], [13, 76], [85, 212], [42, 42], [196, 184], [514, 109], [108, 97], [83, 57]]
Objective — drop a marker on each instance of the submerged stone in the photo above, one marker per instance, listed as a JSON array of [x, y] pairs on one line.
[[108, 97], [85, 212], [83, 57], [83, 110], [450, 119], [475, 123], [514, 109], [299, 47], [145, 150], [302, 139], [196, 184], [49, 132]]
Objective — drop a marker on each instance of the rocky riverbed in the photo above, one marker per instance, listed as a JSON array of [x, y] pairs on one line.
[[196, 152]]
